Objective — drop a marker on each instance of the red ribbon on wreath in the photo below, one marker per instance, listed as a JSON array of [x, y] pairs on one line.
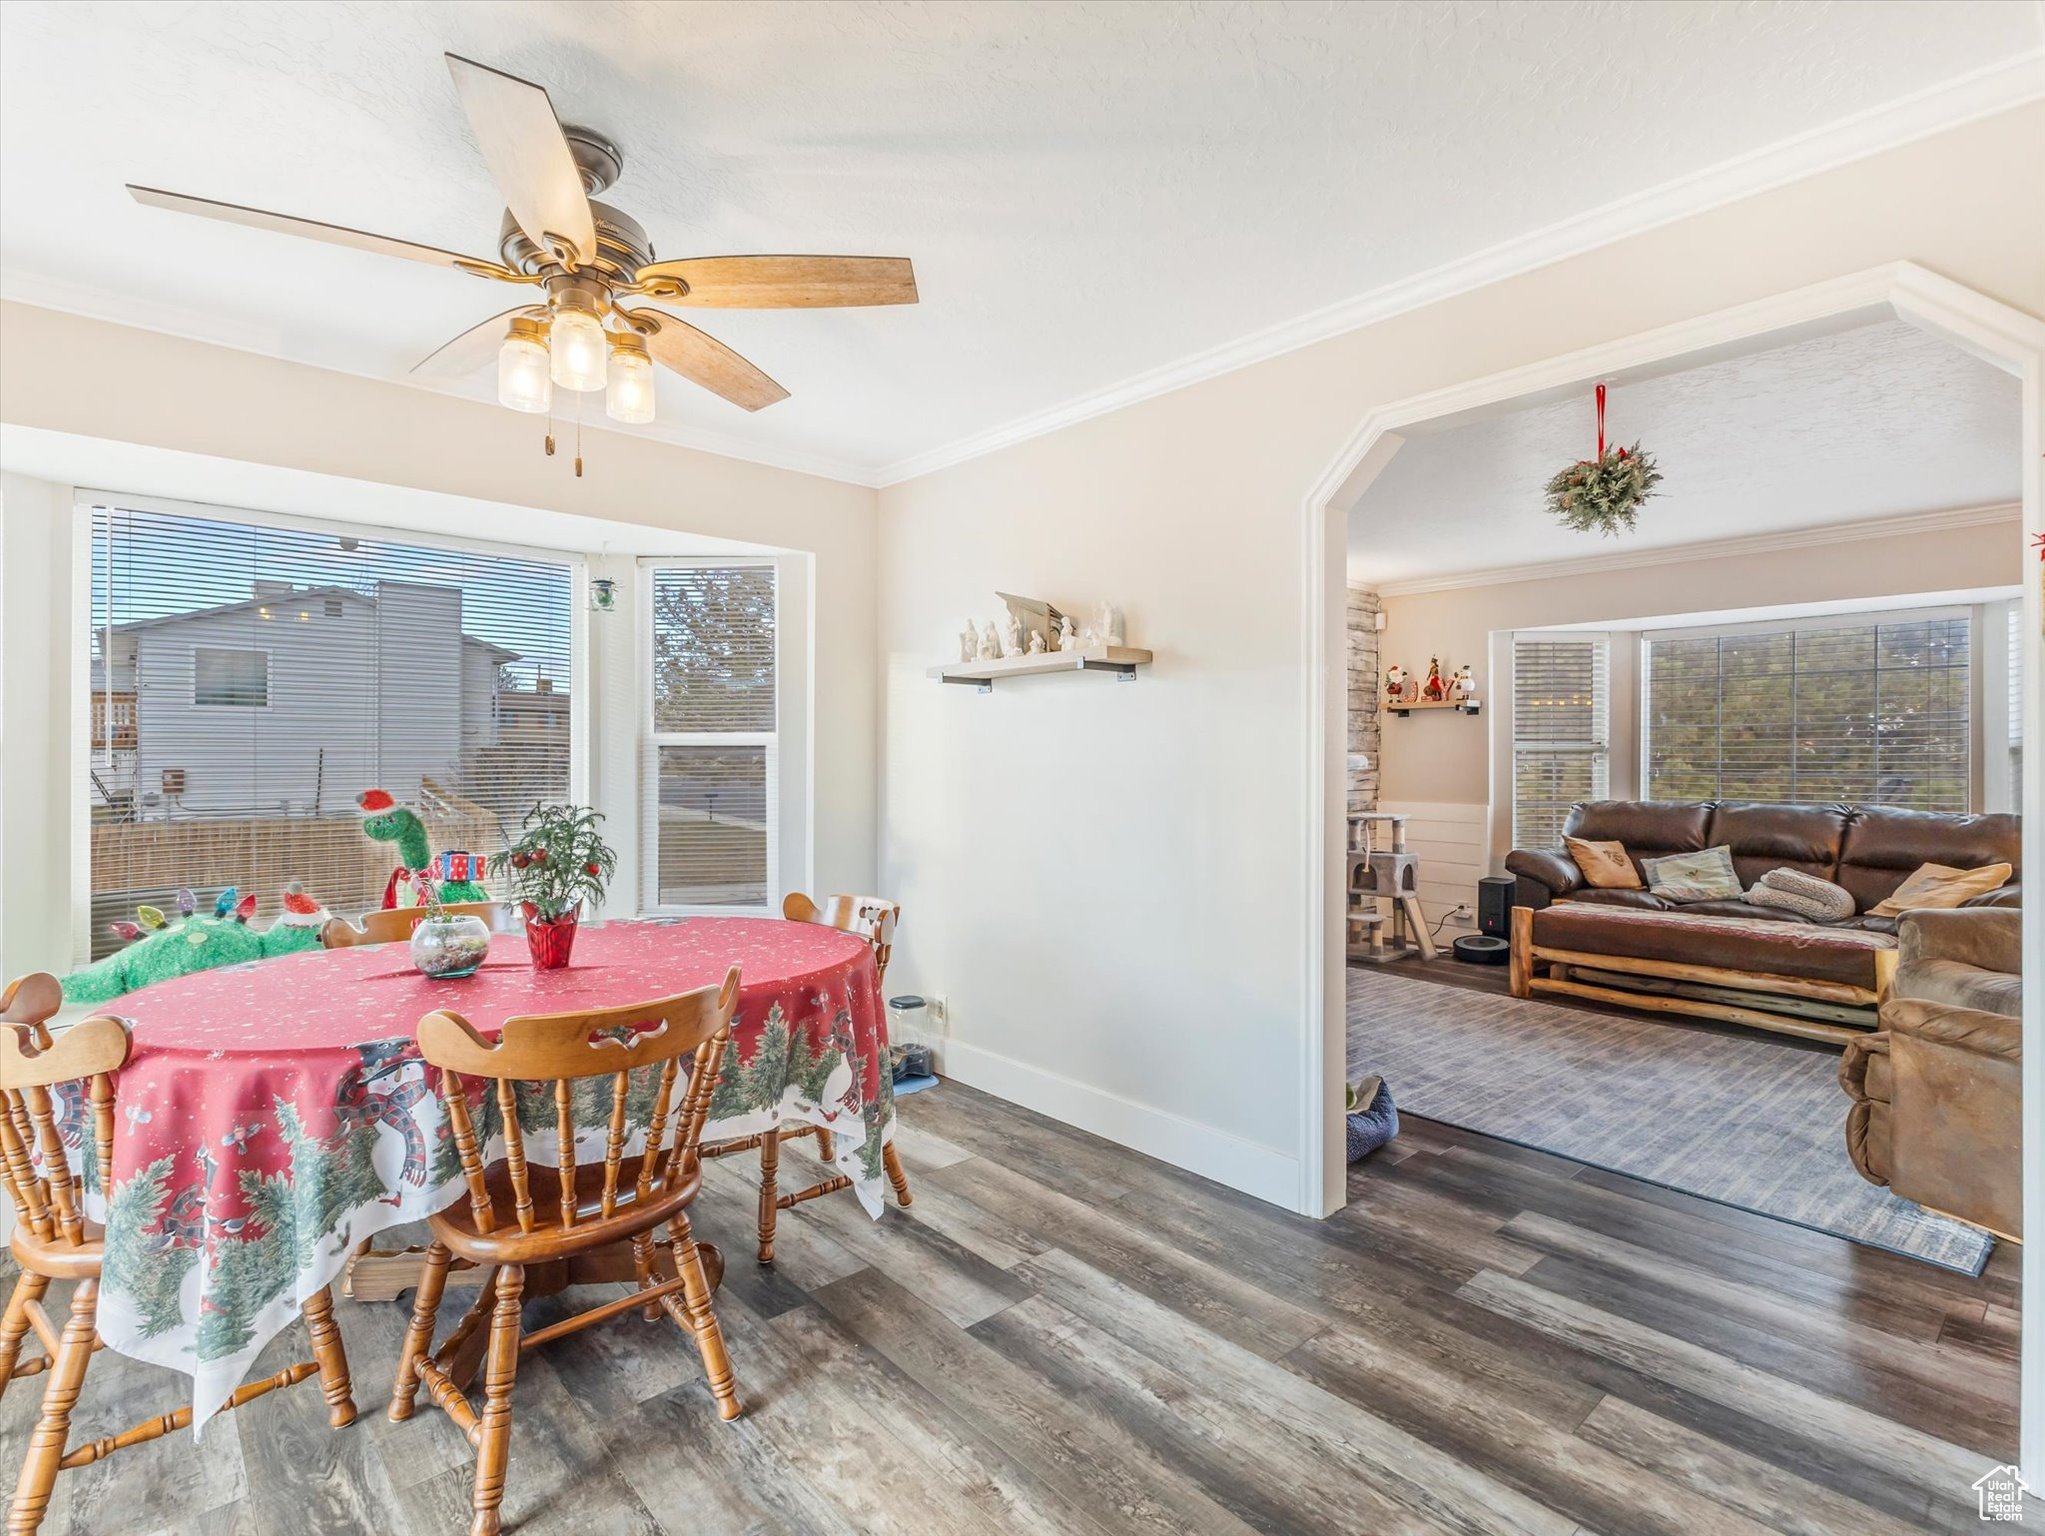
[[1620, 453]]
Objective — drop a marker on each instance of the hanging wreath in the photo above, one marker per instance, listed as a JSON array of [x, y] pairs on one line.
[[1603, 495]]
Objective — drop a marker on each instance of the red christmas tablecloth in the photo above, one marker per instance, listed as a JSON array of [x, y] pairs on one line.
[[275, 1114]]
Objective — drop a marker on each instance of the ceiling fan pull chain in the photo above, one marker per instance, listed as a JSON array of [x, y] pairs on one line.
[[578, 435]]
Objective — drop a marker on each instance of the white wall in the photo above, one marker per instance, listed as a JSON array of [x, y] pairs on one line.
[[65, 374], [1106, 881], [35, 760]]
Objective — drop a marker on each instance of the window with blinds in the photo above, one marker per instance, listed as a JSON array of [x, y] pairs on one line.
[[711, 774], [1561, 714], [249, 681], [1871, 713]]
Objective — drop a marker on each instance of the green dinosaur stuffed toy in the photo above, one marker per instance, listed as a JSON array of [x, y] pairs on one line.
[[160, 948], [455, 874]]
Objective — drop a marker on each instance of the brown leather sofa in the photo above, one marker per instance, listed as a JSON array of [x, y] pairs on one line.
[[1734, 960], [1937, 1092]]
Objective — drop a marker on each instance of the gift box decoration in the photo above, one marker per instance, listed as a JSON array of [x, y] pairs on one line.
[[455, 865]]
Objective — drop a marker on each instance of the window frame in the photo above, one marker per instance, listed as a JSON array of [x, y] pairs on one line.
[[651, 740], [236, 650], [85, 755], [1812, 623]]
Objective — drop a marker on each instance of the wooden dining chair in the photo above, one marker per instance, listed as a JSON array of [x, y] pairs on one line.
[[394, 925], [873, 919], [53, 1241], [30, 1001], [33, 1000], [511, 1220]]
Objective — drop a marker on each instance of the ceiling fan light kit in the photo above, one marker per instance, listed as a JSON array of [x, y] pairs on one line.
[[628, 390], [587, 256], [576, 340], [524, 376]]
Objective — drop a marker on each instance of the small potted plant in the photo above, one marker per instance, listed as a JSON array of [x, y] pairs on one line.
[[557, 864], [446, 944]]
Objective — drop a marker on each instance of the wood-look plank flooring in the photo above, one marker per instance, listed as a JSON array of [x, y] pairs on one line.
[[1063, 1336]]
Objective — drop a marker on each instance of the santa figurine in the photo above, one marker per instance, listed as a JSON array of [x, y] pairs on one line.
[[1395, 683], [1432, 689]]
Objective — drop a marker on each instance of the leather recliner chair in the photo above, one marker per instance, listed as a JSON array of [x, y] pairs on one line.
[[1937, 1092]]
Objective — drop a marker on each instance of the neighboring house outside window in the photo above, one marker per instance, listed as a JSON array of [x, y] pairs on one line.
[[250, 679]]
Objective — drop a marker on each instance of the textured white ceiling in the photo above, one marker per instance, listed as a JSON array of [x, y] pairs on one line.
[[1089, 191], [1874, 422]]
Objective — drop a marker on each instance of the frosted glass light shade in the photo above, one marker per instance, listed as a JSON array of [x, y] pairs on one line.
[[628, 394], [522, 381], [579, 347]]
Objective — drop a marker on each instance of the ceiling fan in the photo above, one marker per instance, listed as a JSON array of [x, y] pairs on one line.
[[588, 257]]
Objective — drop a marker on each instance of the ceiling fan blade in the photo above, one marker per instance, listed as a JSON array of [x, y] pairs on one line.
[[528, 156], [704, 360], [785, 282], [472, 349], [312, 229]]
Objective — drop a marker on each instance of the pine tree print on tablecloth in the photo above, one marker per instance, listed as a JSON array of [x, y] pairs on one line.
[[148, 1256], [290, 1214], [767, 1073], [809, 1069]]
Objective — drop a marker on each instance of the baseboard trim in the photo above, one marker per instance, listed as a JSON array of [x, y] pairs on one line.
[[1215, 1154]]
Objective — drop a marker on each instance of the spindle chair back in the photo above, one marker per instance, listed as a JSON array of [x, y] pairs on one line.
[[517, 1215], [43, 1080], [872, 918], [394, 925]]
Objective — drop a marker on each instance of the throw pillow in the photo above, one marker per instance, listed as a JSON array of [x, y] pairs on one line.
[[1940, 885], [1808, 895], [1703, 876], [1604, 865]]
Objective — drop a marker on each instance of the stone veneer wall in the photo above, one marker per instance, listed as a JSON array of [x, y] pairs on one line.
[[1364, 719]]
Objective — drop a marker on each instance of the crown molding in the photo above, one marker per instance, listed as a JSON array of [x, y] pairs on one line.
[[211, 329], [1952, 104], [1719, 549]]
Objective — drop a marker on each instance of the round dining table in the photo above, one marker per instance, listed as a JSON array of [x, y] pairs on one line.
[[275, 1115]]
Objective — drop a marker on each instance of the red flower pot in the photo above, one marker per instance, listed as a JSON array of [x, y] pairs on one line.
[[551, 940]]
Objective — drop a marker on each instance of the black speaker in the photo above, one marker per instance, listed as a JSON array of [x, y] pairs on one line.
[[1494, 905]]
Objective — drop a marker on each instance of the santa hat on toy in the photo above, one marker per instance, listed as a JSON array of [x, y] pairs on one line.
[[376, 801], [300, 910]]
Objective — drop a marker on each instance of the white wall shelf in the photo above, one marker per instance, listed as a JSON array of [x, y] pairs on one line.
[[1121, 660]]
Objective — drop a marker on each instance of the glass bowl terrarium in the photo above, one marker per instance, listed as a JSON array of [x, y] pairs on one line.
[[447, 944]]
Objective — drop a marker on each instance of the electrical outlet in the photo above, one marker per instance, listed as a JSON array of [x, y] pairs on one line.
[[939, 1010]]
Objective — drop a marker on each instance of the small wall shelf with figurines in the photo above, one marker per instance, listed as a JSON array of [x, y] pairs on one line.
[[1405, 694], [1035, 637]]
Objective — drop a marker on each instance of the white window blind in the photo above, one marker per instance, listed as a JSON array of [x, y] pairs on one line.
[[1856, 711], [711, 779], [249, 681], [1561, 748]]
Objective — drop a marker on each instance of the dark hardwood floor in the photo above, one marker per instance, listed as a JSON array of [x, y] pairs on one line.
[[1062, 1336]]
